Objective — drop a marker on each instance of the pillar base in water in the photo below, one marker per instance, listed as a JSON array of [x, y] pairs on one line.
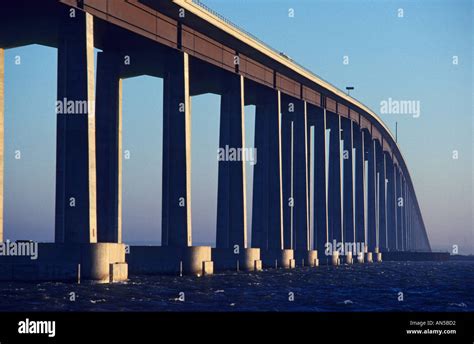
[[306, 258], [360, 258], [335, 259], [247, 259], [278, 258], [378, 257], [348, 259], [99, 262], [368, 257], [166, 260]]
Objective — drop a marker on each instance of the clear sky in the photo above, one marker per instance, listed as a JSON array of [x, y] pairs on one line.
[[402, 58]]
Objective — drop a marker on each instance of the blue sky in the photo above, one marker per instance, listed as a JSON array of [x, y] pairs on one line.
[[408, 58]]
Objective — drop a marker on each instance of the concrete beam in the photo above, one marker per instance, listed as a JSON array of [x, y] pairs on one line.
[[176, 202], [75, 220]]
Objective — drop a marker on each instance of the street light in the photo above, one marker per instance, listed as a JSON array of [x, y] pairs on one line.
[[349, 88]]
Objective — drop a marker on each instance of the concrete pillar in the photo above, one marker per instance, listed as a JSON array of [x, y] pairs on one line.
[[402, 212], [405, 215], [109, 147], [267, 218], [300, 172], [335, 180], [287, 163], [358, 139], [349, 259], [399, 201], [348, 181], [371, 194], [231, 199], [391, 204], [410, 222], [2, 107], [382, 199], [320, 208], [176, 213], [75, 216], [335, 258]]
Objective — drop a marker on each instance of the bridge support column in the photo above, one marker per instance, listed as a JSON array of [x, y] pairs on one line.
[[176, 199], [360, 238], [382, 199], [2, 107], [399, 200], [75, 220], [231, 250], [403, 212], [334, 180], [301, 241], [75, 217], [267, 226], [231, 200], [287, 168], [109, 147], [296, 180], [348, 195], [391, 204], [371, 194], [320, 206], [176, 212]]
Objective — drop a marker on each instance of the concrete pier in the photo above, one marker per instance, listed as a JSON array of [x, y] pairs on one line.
[[99, 262], [320, 208], [306, 258], [334, 179], [247, 259], [335, 259], [278, 259], [368, 257], [167, 260], [348, 258], [231, 201], [75, 216], [359, 180]]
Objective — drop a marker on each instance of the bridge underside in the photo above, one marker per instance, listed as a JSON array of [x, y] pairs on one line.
[[326, 176]]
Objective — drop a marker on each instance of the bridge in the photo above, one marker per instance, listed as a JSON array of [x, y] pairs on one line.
[[361, 185]]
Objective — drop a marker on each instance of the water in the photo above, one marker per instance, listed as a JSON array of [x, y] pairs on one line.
[[426, 286]]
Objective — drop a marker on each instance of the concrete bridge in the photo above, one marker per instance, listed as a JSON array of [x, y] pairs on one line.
[[363, 193]]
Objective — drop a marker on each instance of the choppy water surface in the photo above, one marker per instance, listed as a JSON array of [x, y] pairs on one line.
[[426, 286]]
